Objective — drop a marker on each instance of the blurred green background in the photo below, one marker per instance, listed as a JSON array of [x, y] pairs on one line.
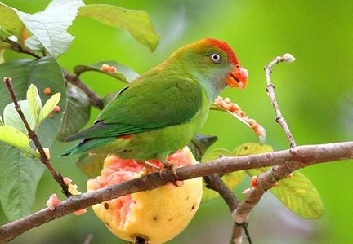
[[315, 95]]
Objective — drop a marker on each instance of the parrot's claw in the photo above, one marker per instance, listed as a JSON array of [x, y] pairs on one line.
[[173, 168], [149, 167]]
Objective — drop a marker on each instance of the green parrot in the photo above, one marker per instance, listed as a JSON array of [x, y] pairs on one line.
[[162, 110]]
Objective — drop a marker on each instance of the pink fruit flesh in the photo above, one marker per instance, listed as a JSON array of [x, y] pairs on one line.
[[119, 170]]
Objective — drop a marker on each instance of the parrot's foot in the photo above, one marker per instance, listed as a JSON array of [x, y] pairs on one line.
[[173, 168], [149, 167]]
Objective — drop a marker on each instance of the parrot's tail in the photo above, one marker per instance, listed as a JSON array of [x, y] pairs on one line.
[[87, 145]]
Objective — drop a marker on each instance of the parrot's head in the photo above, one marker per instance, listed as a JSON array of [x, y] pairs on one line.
[[214, 64]]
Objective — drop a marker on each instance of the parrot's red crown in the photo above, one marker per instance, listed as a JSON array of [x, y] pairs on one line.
[[232, 58]]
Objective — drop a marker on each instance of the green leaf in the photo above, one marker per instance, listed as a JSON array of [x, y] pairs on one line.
[[123, 73], [251, 148], [215, 154], [13, 136], [35, 104], [137, 22], [12, 118], [42, 73], [9, 21], [48, 107], [77, 112], [91, 164], [19, 176], [2, 60], [50, 26], [300, 196]]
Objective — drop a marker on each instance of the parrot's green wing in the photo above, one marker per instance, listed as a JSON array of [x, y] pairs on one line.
[[145, 105]]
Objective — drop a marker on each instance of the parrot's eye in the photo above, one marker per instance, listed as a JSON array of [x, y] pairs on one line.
[[216, 58]]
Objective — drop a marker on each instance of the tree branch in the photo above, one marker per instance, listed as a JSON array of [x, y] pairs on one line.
[[302, 156], [17, 47], [95, 100], [215, 183], [34, 137]]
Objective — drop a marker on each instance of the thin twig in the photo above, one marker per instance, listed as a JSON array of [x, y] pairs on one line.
[[304, 156], [268, 179], [270, 88], [215, 183], [17, 47], [95, 99], [34, 137]]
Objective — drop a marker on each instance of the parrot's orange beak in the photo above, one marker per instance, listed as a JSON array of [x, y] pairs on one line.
[[238, 78]]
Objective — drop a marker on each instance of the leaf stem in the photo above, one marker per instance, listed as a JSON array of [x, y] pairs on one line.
[[17, 47]]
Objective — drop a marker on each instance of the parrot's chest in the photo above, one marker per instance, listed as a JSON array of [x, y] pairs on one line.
[[158, 144]]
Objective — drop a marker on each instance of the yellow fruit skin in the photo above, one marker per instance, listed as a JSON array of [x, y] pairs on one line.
[[157, 215]]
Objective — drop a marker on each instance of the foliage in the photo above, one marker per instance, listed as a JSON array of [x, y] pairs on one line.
[[297, 193], [44, 34], [19, 160]]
